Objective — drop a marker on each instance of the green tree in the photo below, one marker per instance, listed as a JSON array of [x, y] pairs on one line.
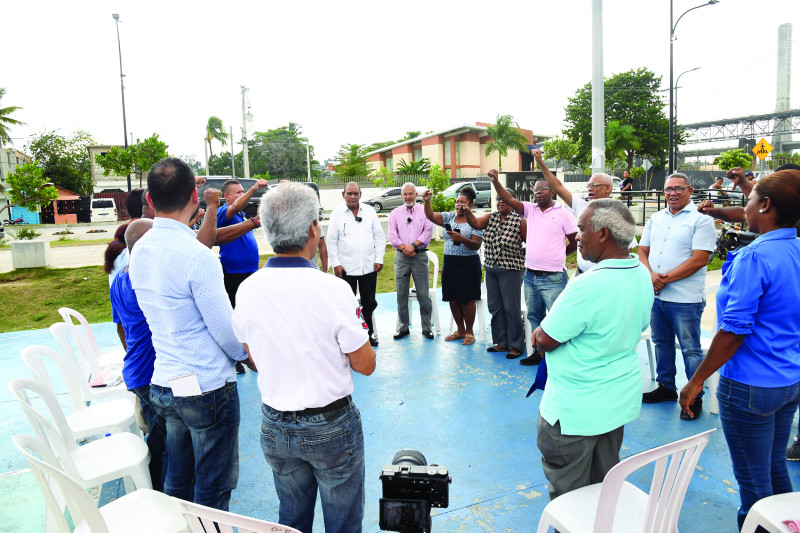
[[6, 121], [505, 136], [734, 158], [423, 166], [560, 149], [29, 188], [137, 159], [281, 152], [438, 180], [352, 161], [65, 159], [621, 143], [215, 130], [632, 98], [384, 178]]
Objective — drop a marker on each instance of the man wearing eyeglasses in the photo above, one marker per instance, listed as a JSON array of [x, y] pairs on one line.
[[675, 246], [410, 233], [550, 238], [600, 186], [356, 246]]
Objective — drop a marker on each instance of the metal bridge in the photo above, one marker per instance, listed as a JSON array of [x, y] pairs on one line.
[[751, 127]]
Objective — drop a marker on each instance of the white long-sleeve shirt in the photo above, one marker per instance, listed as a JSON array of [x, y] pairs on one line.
[[356, 246]]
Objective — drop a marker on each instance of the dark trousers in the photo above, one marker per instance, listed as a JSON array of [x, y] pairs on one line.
[[366, 288], [232, 281]]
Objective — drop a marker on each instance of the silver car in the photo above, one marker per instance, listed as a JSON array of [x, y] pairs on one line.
[[390, 198]]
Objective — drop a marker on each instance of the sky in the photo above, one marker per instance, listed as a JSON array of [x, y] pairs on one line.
[[366, 71]]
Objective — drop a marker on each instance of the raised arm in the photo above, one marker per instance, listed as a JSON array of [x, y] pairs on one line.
[[241, 202], [436, 218], [552, 181], [475, 222], [728, 214], [208, 229], [736, 175], [231, 233], [515, 204]]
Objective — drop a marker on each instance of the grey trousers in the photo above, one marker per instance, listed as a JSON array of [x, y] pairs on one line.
[[404, 268], [504, 297], [574, 461]]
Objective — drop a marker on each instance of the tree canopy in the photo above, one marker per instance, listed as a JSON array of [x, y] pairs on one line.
[[505, 136], [734, 158], [5, 119], [29, 188], [352, 161], [64, 160], [137, 158], [281, 153], [215, 130], [632, 98], [560, 149]]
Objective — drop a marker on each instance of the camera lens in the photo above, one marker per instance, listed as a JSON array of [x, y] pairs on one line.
[[409, 457]]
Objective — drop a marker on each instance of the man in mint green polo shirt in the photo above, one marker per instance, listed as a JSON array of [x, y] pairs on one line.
[[589, 338]]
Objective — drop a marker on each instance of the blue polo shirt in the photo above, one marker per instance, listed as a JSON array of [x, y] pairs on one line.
[[758, 297], [241, 255], [139, 359]]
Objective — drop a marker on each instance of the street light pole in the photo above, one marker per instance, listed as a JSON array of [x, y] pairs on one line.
[[671, 153], [677, 85], [115, 16]]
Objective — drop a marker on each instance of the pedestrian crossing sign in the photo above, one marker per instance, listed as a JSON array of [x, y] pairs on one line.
[[762, 149]]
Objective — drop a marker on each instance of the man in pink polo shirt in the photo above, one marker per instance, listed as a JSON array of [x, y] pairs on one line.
[[551, 236]]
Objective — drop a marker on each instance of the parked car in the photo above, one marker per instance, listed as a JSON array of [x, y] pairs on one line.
[[390, 198], [103, 210], [483, 191]]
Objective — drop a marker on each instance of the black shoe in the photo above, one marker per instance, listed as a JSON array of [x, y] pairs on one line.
[[696, 408], [428, 335], [512, 355], [531, 360], [373, 341], [793, 452], [240, 368], [660, 394], [400, 334]]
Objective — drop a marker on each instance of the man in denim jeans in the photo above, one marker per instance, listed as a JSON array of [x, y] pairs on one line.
[[179, 286], [551, 237], [675, 247], [306, 332]]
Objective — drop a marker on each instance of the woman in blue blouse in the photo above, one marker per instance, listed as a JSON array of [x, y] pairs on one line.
[[757, 347], [461, 271]]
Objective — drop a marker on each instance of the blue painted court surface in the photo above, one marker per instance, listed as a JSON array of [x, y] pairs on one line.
[[460, 406]]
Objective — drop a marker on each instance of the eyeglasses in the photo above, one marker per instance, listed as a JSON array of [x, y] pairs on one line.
[[541, 189], [596, 185], [670, 190]]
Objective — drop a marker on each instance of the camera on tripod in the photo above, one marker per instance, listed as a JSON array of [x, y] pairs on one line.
[[410, 488]]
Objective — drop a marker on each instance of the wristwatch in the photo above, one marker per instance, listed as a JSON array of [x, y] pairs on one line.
[[414, 244]]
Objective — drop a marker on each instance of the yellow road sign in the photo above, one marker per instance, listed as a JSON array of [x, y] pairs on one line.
[[762, 149]]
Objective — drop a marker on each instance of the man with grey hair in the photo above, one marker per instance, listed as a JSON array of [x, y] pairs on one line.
[[311, 432], [410, 232], [593, 370], [600, 186], [675, 247]]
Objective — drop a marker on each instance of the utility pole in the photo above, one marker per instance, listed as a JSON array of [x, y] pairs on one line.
[[598, 90], [245, 117], [233, 163]]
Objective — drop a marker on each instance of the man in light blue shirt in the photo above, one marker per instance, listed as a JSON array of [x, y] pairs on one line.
[[178, 283], [675, 247]]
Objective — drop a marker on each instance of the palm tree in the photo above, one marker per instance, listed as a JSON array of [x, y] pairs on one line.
[[6, 121], [621, 142], [505, 135], [215, 130]]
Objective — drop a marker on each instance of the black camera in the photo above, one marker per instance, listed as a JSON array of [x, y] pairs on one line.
[[410, 489]]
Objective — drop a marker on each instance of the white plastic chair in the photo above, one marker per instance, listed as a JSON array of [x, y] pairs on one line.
[[142, 510], [80, 364], [770, 513], [122, 455], [616, 505], [88, 344], [433, 293], [526, 324], [114, 416], [202, 519], [645, 338]]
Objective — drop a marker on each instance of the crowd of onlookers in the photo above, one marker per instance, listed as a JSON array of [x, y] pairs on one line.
[[188, 317]]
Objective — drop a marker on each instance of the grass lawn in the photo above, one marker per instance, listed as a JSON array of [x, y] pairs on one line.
[[33, 296]]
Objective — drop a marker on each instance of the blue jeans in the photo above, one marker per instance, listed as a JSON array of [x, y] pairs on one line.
[[156, 437], [757, 422], [540, 293], [202, 443], [310, 452], [671, 319]]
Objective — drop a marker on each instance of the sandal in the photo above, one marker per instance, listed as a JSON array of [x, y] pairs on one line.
[[454, 336], [496, 348], [469, 338]]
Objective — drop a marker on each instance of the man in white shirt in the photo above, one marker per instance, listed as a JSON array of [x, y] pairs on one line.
[[311, 432], [600, 186], [356, 246]]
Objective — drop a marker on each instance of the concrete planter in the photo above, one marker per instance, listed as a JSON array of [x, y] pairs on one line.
[[30, 254]]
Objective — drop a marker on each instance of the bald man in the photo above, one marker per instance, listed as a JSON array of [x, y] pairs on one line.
[[140, 355]]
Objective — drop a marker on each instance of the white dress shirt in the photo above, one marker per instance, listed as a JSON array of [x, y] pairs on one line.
[[578, 207], [356, 246], [178, 283]]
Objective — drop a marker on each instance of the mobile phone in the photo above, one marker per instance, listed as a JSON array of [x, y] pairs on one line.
[[448, 227]]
